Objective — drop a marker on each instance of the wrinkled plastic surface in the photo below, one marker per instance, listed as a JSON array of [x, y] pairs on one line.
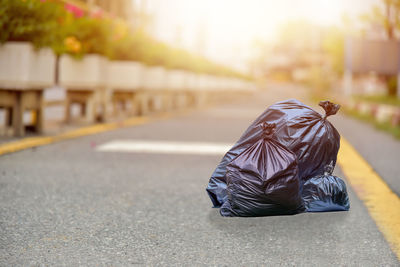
[[300, 129], [325, 193], [263, 180]]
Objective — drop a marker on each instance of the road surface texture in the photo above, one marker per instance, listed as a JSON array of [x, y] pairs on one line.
[[69, 204]]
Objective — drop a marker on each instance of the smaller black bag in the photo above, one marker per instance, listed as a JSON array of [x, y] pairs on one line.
[[263, 180], [325, 193]]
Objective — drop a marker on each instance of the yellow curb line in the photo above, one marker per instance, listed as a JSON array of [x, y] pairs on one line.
[[84, 131], [383, 205]]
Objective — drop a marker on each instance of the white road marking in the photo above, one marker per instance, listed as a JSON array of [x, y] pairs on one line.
[[165, 147]]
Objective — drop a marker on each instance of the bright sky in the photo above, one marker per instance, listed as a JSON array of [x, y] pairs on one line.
[[229, 26]]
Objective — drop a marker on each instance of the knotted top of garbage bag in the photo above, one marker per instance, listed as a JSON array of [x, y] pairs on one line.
[[268, 129], [329, 169], [329, 107]]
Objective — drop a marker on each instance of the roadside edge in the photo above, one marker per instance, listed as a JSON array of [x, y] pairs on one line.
[[382, 203], [30, 142]]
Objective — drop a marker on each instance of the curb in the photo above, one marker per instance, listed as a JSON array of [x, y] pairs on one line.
[[31, 142], [382, 203]]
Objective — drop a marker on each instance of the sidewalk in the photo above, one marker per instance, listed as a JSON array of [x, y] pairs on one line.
[[380, 149]]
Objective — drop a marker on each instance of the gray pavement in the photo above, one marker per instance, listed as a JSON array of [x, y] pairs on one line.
[[67, 204], [381, 150]]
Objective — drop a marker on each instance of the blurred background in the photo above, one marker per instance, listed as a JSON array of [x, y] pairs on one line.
[[347, 50], [157, 91]]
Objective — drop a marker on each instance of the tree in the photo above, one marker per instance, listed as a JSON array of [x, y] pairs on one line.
[[388, 18]]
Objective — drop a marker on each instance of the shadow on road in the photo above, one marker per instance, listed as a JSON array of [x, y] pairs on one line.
[[306, 220]]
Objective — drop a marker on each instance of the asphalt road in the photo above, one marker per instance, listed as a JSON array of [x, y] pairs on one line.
[[68, 204]]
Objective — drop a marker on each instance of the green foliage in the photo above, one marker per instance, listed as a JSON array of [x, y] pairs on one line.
[[387, 16], [93, 34], [140, 47], [130, 47], [30, 20], [392, 86]]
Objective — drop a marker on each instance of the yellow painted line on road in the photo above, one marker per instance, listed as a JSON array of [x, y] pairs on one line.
[[383, 205], [24, 144], [31, 142]]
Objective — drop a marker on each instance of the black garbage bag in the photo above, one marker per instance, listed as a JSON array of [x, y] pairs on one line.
[[299, 128], [325, 193], [263, 180]]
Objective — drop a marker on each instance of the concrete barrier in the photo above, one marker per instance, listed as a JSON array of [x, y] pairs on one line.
[[85, 81], [101, 87], [90, 72], [154, 78], [21, 66], [125, 80], [175, 96], [153, 94], [175, 80], [125, 75], [24, 74]]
